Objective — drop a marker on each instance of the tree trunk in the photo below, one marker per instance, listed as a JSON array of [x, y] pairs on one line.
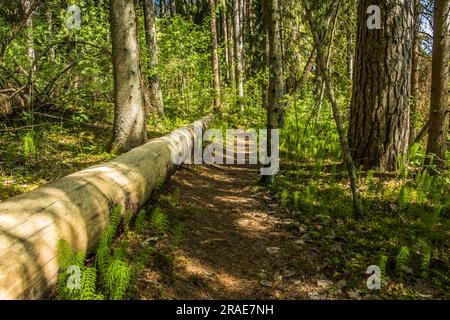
[[414, 95], [275, 103], [162, 9], [172, 8], [251, 31], [231, 47], [439, 115], [215, 57], [379, 116], [239, 54], [350, 46], [327, 66], [225, 39], [49, 17], [325, 74], [27, 7], [129, 118], [156, 98], [76, 209]]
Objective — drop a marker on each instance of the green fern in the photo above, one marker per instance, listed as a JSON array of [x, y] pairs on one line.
[[140, 220], [28, 145], [102, 257], [296, 200], [404, 197], [402, 259], [382, 263], [66, 257], [425, 257], [159, 220], [117, 279], [11, 154], [284, 198], [88, 285], [402, 166], [431, 218]]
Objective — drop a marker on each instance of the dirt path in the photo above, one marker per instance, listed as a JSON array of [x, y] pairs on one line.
[[238, 243]]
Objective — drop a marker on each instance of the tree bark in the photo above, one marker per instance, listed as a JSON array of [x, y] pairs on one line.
[[76, 209], [129, 117], [231, 48], [225, 39], [162, 9], [380, 111], [215, 57], [275, 103], [156, 98], [172, 8], [414, 95], [439, 104], [239, 54], [28, 10]]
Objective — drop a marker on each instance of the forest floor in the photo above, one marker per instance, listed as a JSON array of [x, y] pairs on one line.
[[237, 244], [227, 237], [231, 239]]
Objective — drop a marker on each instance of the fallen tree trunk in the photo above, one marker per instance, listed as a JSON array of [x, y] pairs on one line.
[[76, 208]]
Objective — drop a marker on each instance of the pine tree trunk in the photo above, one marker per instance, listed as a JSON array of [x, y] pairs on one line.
[[129, 118], [439, 105], [156, 98], [215, 57], [380, 111]]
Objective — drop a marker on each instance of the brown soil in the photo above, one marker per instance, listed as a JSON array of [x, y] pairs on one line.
[[238, 243]]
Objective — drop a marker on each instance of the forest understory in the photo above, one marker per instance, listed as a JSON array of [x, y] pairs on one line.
[[352, 95]]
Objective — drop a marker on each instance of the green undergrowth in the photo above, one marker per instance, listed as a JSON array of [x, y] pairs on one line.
[[128, 245], [110, 271], [406, 224]]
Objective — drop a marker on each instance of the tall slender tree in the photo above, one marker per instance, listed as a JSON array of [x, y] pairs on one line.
[[231, 46], [215, 57], [326, 77], [414, 95], [162, 8], [439, 104], [172, 7], [275, 103], [239, 53], [156, 98], [223, 13], [129, 117]]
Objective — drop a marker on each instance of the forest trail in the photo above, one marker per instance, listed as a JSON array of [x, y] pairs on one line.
[[238, 242]]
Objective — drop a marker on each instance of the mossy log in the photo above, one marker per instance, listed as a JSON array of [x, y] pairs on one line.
[[76, 208]]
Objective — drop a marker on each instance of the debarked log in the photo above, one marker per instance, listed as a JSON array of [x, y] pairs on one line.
[[76, 208]]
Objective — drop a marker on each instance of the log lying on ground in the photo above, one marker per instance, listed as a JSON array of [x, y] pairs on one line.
[[76, 208]]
